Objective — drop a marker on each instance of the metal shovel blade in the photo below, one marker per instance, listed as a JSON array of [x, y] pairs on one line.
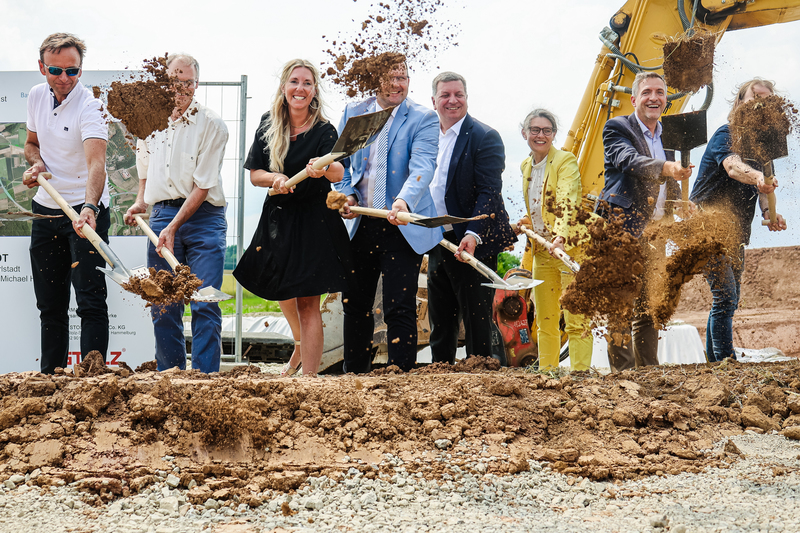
[[684, 131], [515, 284], [117, 272], [361, 131]]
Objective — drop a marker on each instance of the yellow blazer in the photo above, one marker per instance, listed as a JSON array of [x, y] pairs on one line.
[[562, 181]]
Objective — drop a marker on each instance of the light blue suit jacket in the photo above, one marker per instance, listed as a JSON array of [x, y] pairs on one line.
[[413, 147]]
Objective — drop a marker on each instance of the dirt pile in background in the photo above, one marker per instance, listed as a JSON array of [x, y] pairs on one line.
[[759, 128], [689, 62], [144, 105], [610, 277], [358, 59], [676, 251], [233, 436], [164, 287]]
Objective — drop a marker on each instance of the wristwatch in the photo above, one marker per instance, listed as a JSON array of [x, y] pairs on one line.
[[93, 208]]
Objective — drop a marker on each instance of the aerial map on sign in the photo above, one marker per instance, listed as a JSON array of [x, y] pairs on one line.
[[123, 180]]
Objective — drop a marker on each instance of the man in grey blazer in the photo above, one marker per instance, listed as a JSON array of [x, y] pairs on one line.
[[392, 173], [640, 178]]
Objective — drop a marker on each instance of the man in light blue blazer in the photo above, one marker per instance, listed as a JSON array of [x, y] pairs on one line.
[[393, 173]]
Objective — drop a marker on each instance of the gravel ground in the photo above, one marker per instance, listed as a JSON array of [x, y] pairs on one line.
[[760, 492]]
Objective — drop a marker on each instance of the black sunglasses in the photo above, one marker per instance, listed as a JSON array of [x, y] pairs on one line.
[[56, 71]]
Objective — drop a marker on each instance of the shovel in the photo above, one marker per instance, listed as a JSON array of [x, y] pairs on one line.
[[411, 218], [511, 284], [359, 132], [22, 216], [566, 259], [684, 132], [773, 148], [206, 294], [117, 272]]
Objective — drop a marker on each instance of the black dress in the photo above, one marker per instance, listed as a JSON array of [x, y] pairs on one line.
[[300, 248]]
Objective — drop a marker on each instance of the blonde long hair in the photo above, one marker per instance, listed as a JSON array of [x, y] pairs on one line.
[[277, 136]]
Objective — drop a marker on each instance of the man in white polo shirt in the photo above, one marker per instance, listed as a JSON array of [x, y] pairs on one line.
[[67, 137], [179, 175]]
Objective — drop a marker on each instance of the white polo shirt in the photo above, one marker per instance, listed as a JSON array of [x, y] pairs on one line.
[[61, 132], [188, 152]]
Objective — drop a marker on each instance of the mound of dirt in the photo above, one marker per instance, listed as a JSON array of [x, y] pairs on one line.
[[610, 277], [759, 128], [144, 105], [232, 436], [359, 60], [689, 62], [164, 287]]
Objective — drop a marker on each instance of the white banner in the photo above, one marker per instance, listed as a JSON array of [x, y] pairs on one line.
[[131, 329]]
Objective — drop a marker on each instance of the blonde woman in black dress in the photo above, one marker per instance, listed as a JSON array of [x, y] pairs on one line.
[[300, 249]]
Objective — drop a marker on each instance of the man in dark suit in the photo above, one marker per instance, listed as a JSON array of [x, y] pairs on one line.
[[640, 178], [468, 182], [394, 172]]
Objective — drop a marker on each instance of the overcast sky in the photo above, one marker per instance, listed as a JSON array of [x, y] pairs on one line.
[[514, 55]]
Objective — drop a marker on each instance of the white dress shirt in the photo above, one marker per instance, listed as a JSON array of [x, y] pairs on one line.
[[188, 152], [447, 142], [535, 189], [366, 186], [656, 152]]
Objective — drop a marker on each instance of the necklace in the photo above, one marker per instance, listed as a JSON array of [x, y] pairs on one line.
[[300, 127]]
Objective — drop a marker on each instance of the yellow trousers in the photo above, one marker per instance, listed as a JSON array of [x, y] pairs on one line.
[[556, 277]]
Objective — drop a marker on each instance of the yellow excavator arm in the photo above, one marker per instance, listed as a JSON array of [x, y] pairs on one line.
[[634, 40]]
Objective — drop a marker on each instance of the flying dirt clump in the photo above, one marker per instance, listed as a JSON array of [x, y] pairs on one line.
[[358, 60], [759, 128], [610, 277], [689, 61], [336, 200], [144, 105], [676, 251], [163, 287]]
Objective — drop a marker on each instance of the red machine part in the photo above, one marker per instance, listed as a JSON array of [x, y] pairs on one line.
[[510, 313]]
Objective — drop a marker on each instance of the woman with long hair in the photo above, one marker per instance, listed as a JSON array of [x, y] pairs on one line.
[[300, 249]]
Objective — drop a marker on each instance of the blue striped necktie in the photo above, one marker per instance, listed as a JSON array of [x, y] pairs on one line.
[[381, 154]]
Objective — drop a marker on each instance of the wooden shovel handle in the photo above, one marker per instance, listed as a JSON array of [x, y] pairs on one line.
[[381, 213], [773, 215], [166, 254], [87, 230], [474, 263], [323, 161], [559, 253]]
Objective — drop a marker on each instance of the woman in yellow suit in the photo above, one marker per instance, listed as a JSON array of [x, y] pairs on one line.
[[551, 186]]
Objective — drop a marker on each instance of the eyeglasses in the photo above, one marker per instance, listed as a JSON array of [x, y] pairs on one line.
[[185, 83], [536, 131], [398, 79], [56, 71]]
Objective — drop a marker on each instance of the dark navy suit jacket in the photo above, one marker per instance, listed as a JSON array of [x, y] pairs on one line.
[[474, 187], [632, 175]]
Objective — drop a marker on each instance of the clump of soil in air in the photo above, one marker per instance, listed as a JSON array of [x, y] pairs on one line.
[[689, 61], [676, 251], [163, 287], [144, 105], [336, 200], [759, 128], [610, 277], [358, 60]]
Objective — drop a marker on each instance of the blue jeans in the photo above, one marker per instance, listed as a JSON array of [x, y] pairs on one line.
[[724, 276], [200, 244]]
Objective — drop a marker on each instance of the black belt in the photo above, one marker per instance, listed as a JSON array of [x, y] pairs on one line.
[[177, 202]]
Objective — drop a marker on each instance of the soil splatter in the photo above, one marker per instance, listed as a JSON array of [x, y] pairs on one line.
[[360, 60], [610, 277], [144, 105], [759, 128], [163, 287], [689, 61], [676, 251]]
